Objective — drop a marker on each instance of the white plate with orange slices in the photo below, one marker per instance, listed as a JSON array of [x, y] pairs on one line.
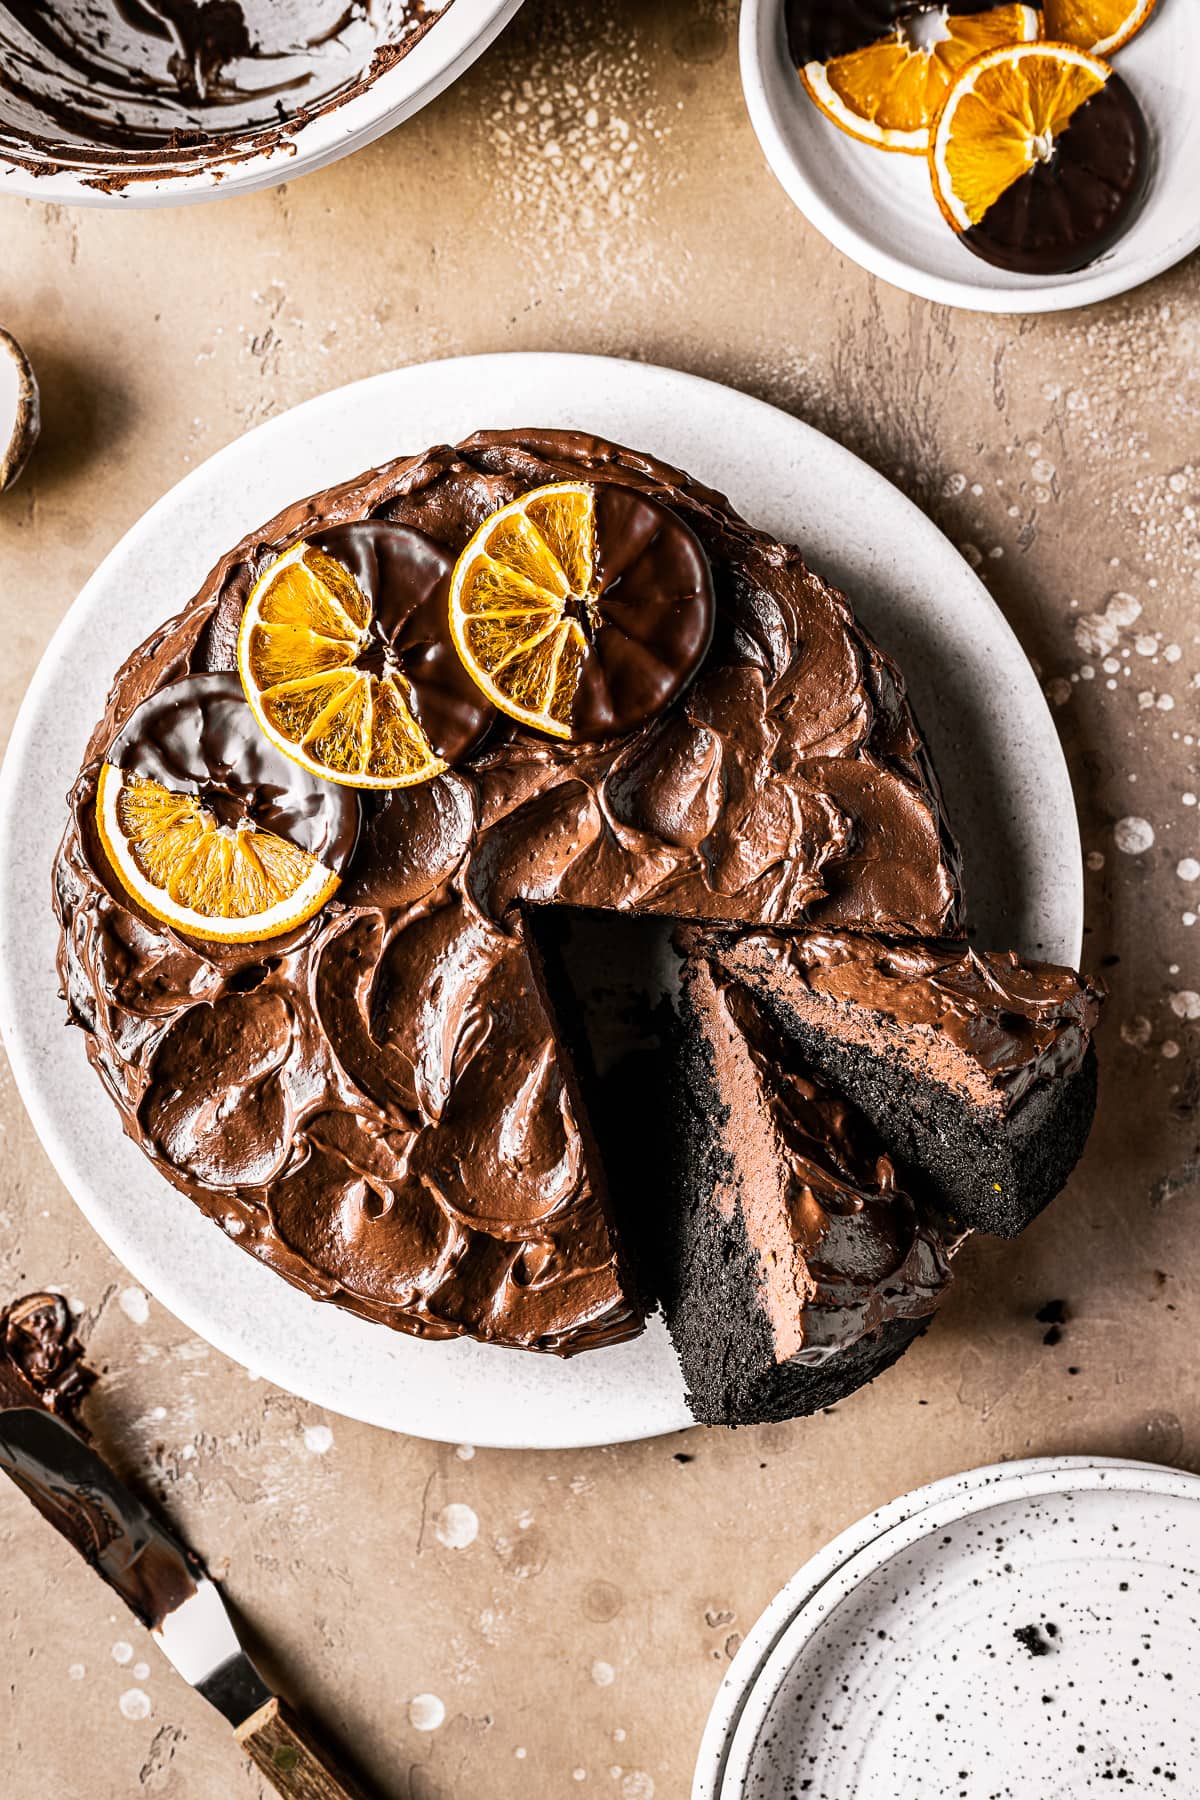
[[980, 704], [950, 149]]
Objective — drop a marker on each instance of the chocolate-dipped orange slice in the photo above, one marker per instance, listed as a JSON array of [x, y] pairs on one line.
[[346, 659], [1038, 157], [1100, 26], [880, 69], [208, 827], [582, 611]]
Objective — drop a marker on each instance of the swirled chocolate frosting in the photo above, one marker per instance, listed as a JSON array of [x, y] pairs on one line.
[[379, 1106]]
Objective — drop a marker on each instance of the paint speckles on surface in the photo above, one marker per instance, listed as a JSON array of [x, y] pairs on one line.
[[122, 1652], [135, 1305], [1098, 634], [135, 1704], [457, 1526], [77, 1671], [636, 1784], [318, 1439], [603, 1673], [426, 1712], [1133, 836], [569, 150]]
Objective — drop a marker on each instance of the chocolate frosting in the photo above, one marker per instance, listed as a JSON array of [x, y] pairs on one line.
[[1065, 212], [198, 736], [1016, 1024], [41, 1359], [843, 1249], [377, 1105]]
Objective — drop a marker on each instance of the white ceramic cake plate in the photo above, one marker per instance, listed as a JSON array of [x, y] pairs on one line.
[[877, 207], [979, 702], [900, 1670]]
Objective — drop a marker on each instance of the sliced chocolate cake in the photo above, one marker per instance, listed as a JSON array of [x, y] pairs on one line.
[[791, 1263], [977, 1070], [314, 846], [375, 1101]]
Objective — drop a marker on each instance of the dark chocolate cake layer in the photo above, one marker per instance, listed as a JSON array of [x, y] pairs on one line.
[[976, 1070], [378, 1105], [792, 1265]]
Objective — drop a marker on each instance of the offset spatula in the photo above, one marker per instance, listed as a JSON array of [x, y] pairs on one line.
[[165, 1585]]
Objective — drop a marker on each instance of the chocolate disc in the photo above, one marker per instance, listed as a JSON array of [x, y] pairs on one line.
[[649, 618], [198, 736], [819, 30], [406, 577], [1065, 212]]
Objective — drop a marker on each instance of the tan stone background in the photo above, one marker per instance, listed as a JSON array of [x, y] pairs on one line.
[[593, 184]]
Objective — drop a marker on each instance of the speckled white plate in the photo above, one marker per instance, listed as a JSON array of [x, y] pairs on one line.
[[742, 1676], [901, 1672], [878, 208], [988, 725]]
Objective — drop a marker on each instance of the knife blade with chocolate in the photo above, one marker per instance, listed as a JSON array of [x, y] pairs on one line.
[[44, 1449]]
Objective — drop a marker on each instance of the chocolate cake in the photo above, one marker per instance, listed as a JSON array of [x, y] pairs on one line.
[[791, 1263], [976, 1070], [380, 1103]]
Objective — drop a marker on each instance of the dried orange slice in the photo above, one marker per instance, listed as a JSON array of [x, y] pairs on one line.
[[208, 827], [224, 884], [888, 92], [1038, 157], [1100, 26], [322, 681], [582, 610]]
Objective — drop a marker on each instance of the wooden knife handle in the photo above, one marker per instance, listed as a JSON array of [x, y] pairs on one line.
[[290, 1759]]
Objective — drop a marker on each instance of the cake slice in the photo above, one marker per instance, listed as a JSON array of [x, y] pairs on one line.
[[791, 1264], [976, 1069]]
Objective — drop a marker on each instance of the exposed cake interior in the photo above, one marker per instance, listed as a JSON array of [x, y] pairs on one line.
[[794, 1265], [976, 1069], [761, 1209]]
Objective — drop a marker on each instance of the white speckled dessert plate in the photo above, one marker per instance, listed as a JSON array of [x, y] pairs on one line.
[[1021, 1629], [980, 704], [878, 208]]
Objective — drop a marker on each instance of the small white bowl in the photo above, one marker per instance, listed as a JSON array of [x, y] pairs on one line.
[[258, 156], [877, 207]]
